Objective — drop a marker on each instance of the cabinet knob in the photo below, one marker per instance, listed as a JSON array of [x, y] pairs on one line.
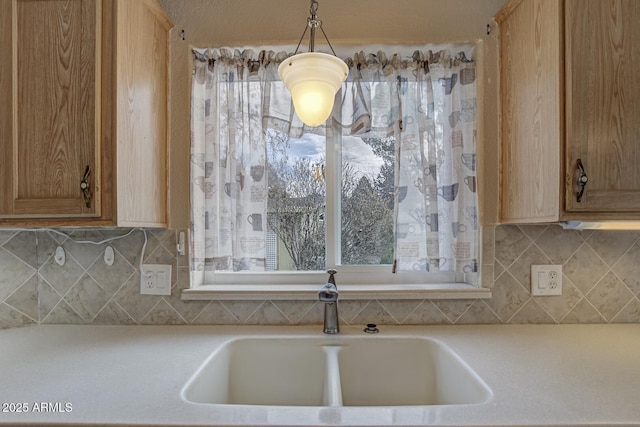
[[582, 180], [85, 187]]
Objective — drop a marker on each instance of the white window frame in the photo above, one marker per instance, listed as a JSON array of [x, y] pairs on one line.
[[353, 281]]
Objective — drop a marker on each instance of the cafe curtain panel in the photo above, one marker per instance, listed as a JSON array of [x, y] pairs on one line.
[[229, 114], [427, 103]]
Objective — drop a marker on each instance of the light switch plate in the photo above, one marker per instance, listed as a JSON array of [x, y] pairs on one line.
[[546, 280], [156, 279]]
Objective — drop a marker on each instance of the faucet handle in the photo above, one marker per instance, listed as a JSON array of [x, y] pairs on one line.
[[332, 279]]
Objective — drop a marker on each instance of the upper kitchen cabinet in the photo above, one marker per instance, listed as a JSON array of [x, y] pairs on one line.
[[83, 123], [570, 110]]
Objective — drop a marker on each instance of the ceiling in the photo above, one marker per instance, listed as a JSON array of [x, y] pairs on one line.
[[214, 23]]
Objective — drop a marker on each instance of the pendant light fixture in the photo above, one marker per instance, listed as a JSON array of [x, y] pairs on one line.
[[313, 78]]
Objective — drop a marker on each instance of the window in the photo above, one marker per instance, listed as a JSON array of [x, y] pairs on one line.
[[387, 184], [331, 205], [360, 207]]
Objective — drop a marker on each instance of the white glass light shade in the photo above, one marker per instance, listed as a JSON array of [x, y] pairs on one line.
[[313, 78]]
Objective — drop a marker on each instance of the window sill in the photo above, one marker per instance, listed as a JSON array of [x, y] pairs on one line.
[[347, 292]]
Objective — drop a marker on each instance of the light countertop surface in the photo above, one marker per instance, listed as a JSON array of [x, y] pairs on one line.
[[540, 375]]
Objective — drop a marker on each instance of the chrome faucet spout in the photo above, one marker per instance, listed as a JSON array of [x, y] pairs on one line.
[[328, 294]]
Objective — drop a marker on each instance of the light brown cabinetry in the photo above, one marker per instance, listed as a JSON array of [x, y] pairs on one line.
[[570, 96], [84, 87]]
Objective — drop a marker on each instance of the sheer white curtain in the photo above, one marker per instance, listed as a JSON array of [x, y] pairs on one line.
[[427, 103], [230, 107]]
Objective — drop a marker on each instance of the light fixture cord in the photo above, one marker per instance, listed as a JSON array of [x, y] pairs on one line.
[[313, 23]]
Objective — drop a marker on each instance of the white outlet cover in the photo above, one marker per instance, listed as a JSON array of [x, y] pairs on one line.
[[157, 280], [546, 280]]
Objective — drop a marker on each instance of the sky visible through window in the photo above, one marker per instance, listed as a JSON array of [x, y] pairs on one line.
[[354, 151]]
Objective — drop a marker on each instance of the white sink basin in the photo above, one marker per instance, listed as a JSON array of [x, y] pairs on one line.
[[406, 371], [335, 371], [256, 371]]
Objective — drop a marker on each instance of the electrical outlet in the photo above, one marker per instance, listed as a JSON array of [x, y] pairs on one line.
[[156, 279], [546, 280]]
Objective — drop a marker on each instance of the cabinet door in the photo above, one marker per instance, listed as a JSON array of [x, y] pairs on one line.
[[53, 134], [603, 104]]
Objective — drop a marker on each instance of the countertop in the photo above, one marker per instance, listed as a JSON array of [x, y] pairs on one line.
[[569, 375]]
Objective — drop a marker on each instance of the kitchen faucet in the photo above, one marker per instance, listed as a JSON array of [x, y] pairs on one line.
[[329, 296]]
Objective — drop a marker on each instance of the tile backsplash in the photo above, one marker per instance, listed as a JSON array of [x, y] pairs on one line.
[[601, 283]]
